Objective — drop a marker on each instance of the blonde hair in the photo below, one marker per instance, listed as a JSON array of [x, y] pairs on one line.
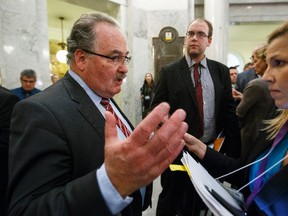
[[275, 124], [261, 52]]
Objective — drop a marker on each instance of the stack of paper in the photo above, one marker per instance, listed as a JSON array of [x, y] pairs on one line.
[[218, 200]]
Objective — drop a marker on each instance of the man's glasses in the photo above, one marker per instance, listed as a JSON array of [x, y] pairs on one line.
[[117, 60], [191, 34]]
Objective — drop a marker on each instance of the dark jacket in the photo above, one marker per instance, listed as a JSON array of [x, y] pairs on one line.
[[256, 105], [175, 87], [7, 102], [244, 78], [274, 194], [57, 143], [22, 94]]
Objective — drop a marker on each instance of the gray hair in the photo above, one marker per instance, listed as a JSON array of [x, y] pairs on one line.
[[28, 73], [83, 35]]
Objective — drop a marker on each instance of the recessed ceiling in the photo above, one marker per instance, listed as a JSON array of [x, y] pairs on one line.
[[72, 10]]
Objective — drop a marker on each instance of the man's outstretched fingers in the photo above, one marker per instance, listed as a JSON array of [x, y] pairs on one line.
[[143, 131]]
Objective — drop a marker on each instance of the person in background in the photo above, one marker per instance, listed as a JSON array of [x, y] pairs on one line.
[[233, 75], [181, 84], [7, 103], [73, 151], [54, 78], [246, 76], [28, 79], [147, 94], [256, 104], [268, 194], [247, 66]]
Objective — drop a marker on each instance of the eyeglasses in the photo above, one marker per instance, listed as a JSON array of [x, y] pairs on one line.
[[191, 34], [117, 60]]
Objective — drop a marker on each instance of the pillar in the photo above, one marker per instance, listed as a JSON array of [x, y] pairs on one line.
[[217, 12]]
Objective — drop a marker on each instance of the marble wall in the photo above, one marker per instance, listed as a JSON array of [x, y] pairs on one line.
[[146, 25], [24, 41], [25, 44]]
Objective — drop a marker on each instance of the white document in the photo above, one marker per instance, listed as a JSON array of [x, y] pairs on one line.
[[204, 183]]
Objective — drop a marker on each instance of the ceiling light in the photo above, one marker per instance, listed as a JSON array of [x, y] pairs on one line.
[[61, 54]]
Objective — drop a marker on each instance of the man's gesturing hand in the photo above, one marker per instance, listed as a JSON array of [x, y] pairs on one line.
[[139, 159]]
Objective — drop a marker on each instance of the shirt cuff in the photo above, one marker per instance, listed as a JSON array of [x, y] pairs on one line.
[[113, 199]]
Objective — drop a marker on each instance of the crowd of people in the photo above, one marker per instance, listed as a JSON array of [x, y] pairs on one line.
[[72, 151], [266, 191]]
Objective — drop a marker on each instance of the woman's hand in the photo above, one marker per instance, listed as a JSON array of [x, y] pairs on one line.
[[236, 95], [195, 146]]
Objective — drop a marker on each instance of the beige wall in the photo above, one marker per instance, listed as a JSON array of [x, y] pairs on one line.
[[244, 38]]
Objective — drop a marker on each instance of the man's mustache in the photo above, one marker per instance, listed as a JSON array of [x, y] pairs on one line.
[[120, 76]]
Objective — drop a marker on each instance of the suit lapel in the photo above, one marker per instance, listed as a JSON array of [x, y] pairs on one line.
[[185, 73], [87, 108], [124, 116], [85, 105]]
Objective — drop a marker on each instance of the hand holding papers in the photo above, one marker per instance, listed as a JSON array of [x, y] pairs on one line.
[[218, 200]]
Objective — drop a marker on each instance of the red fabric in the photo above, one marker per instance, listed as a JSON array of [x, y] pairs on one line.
[[105, 102], [199, 97]]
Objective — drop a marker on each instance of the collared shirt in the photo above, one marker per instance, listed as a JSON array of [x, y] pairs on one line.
[[22, 94], [111, 196], [208, 93]]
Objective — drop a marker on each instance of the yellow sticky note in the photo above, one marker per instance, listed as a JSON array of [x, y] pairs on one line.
[[176, 167]]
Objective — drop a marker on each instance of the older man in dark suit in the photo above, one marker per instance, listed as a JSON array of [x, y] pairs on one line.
[[7, 102], [64, 159], [179, 86]]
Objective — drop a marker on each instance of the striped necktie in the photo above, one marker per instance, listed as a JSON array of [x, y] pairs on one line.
[[106, 104]]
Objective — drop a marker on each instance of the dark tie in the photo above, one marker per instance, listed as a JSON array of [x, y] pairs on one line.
[[199, 97], [105, 102]]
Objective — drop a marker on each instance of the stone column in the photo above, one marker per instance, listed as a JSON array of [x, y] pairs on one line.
[[136, 35], [217, 13], [24, 41], [191, 10]]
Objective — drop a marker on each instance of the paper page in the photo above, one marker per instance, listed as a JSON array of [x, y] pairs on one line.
[[201, 179]]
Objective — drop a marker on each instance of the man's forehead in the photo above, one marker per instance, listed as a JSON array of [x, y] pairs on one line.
[[198, 24]]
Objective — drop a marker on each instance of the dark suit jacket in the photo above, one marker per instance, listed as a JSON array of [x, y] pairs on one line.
[[256, 105], [7, 102], [274, 194], [244, 78], [57, 143], [175, 87]]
